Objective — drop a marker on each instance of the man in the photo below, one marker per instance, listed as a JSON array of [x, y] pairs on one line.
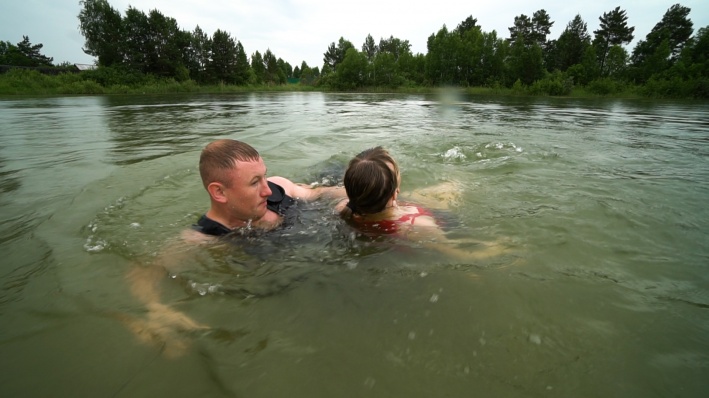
[[234, 175]]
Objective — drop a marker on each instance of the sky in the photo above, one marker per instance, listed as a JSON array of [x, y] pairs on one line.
[[302, 30]]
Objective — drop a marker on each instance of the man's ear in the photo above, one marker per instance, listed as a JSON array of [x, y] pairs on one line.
[[216, 191]]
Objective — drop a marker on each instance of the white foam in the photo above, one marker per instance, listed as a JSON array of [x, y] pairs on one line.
[[454, 153]]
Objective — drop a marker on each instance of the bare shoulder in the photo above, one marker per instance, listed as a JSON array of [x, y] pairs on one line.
[[296, 191], [340, 205], [283, 182]]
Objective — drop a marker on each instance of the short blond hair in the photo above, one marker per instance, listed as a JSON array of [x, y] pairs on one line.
[[220, 156]]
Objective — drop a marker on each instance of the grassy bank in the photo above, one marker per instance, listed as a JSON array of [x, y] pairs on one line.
[[19, 82]]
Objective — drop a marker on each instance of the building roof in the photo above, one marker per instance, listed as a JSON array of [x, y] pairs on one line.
[[85, 66]]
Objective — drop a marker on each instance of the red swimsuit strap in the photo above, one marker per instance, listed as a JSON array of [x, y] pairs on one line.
[[412, 216]]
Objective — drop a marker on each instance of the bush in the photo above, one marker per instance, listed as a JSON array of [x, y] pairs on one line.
[[700, 88], [518, 87], [553, 84], [27, 81], [82, 87], [117, 75], [604, 86]]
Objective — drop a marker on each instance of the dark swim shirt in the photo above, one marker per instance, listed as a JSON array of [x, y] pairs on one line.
[[278, 202]]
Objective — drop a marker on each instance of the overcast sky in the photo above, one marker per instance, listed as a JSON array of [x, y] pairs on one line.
[[301, 30]]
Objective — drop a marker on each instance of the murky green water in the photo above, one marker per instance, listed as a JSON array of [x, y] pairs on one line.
[[604, 291]]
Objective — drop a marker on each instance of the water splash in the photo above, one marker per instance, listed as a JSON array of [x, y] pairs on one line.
[[205, 288], [454, 153], [94, 244], [502, 146]]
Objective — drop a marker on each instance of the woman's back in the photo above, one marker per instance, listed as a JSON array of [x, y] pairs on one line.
[[398, 220]]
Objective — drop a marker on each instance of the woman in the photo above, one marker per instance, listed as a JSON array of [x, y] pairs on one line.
[[372, 182]]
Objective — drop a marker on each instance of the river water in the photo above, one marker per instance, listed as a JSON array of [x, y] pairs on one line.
[[603, 289]]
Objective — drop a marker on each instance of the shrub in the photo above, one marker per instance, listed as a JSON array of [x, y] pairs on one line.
[[604, 86]]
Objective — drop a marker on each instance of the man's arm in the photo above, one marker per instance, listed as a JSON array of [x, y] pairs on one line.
[[307, 192], [161, 324]]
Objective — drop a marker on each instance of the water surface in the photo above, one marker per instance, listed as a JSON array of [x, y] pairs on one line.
[[602, 204]]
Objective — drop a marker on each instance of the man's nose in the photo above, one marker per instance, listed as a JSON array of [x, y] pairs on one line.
[[266, 191]]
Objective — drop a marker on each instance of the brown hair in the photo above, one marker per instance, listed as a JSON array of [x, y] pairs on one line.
[[370, 181], [221, 156]]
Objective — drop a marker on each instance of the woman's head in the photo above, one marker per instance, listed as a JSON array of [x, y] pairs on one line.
[[371, 180]]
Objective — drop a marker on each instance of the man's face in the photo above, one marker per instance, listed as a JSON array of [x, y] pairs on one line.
[[248, 191]]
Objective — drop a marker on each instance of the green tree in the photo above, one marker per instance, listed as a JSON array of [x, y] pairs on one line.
[[466, 25], [675, 27], [200, 54], [23, 54], [693, 64], [387, 70], [11, 55], [165, 45], [412, 68], [534, 30], [285, 67], [492, 59], [273, 73], [613, 31], [102, 28], [386, 67], [242, 70], [136, 43], [572, 43], [298, 71], [369, 48], [469, 50], [32, 53], [351, 71], [336, 53], [470, 56], [616, 62], [696, 52], [258, 67], [526, 64], [394, 46], [522, 28], [222, 67], [591, 69], [307, 75], [541, 27], [666, 39], [442, 66]]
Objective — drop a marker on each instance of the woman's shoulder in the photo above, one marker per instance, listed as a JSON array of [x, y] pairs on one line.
[[416, 215], [413, 208]]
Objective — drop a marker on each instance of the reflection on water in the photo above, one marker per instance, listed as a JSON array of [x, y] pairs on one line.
[[602, 204], [151, 129], [8, 178]]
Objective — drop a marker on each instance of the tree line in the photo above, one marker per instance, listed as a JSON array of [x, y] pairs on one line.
[[671, 61], [23, 54]]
